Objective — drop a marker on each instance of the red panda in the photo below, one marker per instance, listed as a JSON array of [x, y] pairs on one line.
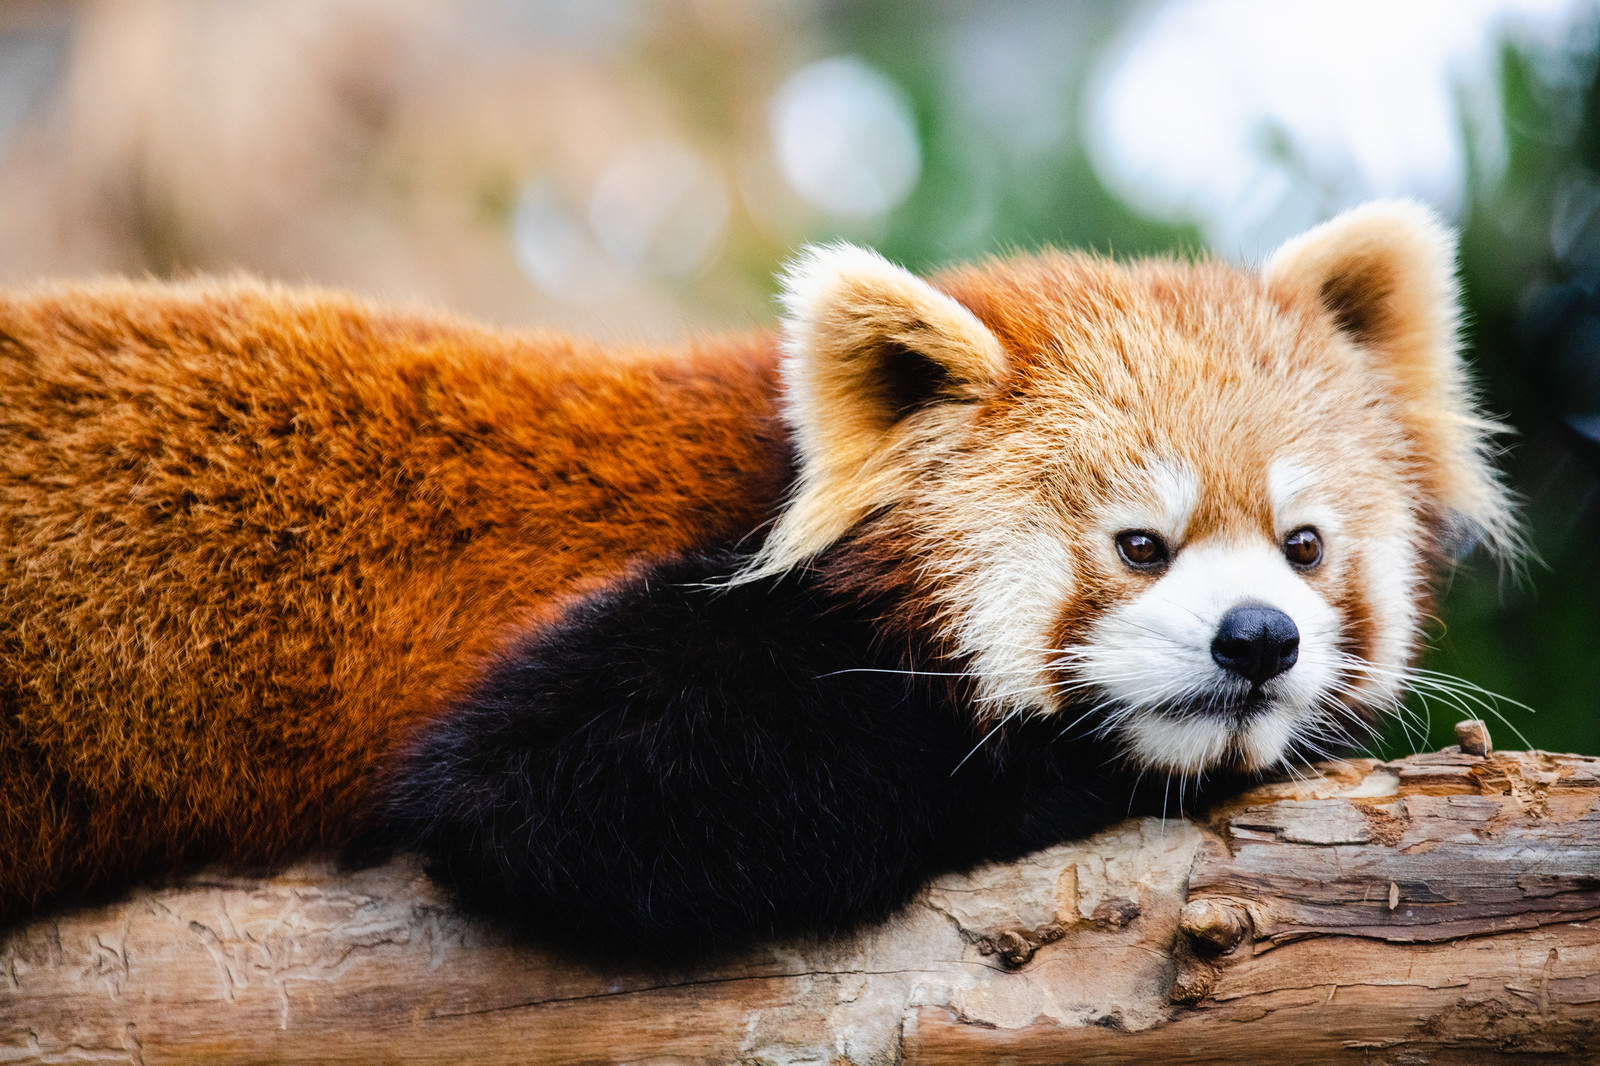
[[682, 646]]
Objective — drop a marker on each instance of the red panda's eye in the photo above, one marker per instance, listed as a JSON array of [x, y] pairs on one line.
[[1142, 549], [1303, 548]]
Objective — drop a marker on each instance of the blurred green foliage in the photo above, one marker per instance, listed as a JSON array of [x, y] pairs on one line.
[[987, 186], [1534, 326], [1531, 273]]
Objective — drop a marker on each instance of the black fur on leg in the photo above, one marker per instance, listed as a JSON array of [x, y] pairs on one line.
[[680, 767]]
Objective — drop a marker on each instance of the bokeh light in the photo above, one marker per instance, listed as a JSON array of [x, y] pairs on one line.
[[636, 169], [553, 244], [659, 208], [846, 138], [1256, 120]]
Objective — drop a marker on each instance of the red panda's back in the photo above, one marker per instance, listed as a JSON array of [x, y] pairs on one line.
[[250, 537]]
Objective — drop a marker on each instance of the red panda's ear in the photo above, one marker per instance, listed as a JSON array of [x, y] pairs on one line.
[[1385, 273], [867, 343], [874, 360]]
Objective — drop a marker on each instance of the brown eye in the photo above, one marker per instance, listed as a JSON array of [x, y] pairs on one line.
[[1142, 550], [1303, 548]]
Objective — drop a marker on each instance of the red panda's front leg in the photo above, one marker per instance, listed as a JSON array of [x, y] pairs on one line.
[[679, 766]]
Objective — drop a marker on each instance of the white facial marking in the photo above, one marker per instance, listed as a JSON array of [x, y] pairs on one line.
[[1385, 568], [1287, 481], [1292, 489], [1005, 613], [1160, 498], [1006, 610], [1269, 734], [1389, 574], [1184, 746], [1152, 658]]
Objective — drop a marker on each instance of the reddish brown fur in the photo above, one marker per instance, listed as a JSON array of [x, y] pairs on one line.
[[1071, 381], [249, 537], [1160, 353]]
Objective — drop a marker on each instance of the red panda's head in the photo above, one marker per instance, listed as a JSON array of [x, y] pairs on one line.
[[1195, 506]]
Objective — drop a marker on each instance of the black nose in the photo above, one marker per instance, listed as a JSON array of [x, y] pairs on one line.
[[1256, 642]]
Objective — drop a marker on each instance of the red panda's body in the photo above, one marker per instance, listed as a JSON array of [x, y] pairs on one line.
[[684, 646], [253, 536]]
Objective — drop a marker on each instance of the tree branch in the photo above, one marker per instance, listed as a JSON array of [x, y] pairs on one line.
[[1443, 908]]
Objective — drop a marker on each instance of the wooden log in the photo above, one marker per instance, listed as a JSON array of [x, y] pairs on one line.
[[1443, 908]]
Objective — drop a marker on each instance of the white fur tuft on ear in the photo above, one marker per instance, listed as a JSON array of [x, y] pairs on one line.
[[874, 359], [1385, 273]]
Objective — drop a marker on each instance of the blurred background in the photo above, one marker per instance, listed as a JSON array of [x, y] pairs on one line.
[[636, 169]]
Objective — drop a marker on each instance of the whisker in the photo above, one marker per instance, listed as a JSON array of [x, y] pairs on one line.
[[889, 670], [982, 741], [1427, 685]]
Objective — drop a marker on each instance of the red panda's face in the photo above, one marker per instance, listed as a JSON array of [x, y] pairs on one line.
[[1237, 641], [1197, 537], [1188, 507]]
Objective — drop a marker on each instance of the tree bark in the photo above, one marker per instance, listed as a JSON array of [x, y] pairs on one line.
[[1443, 908]]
